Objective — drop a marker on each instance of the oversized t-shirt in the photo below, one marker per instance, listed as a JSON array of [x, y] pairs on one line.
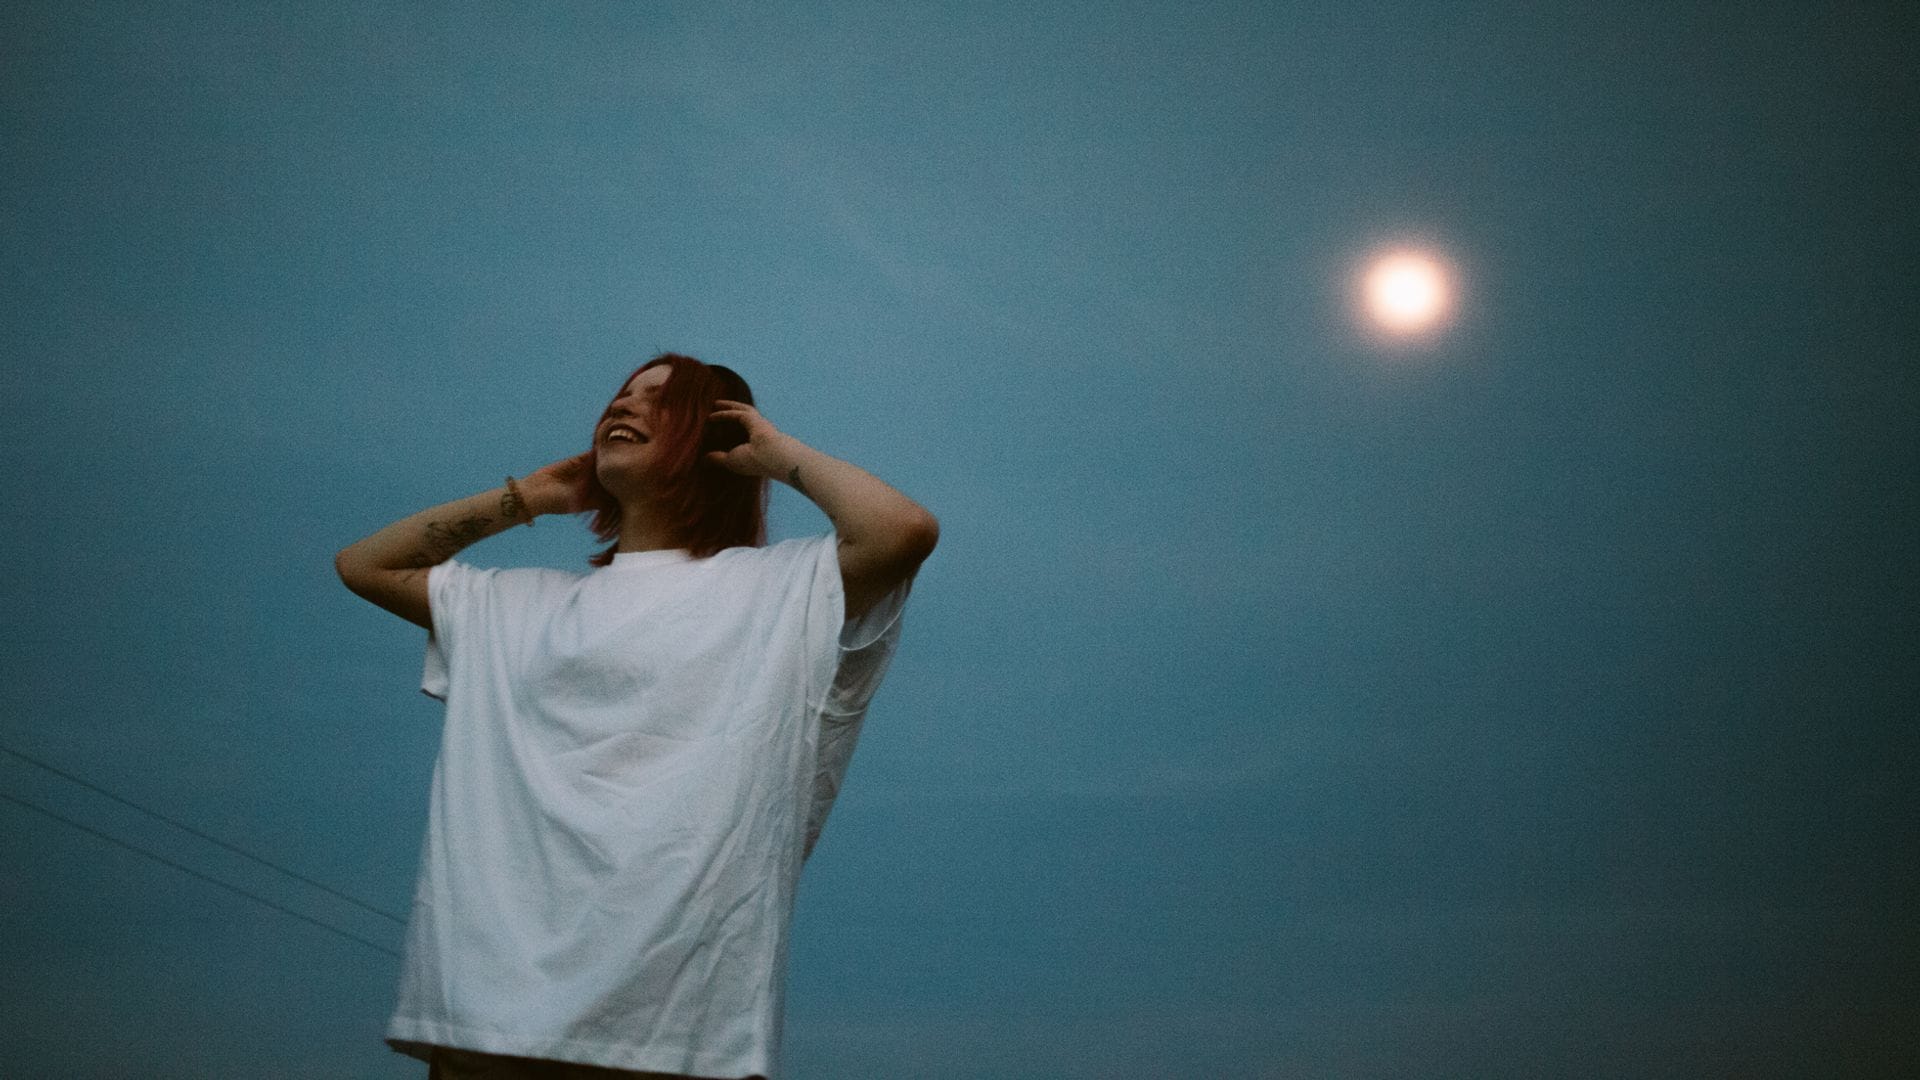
[[635, 763]]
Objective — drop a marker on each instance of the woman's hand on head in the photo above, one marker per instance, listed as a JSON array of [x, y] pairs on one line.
[[559, 488], [767, 449]]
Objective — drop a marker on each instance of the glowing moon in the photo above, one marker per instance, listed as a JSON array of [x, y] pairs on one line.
[[1407, 292]]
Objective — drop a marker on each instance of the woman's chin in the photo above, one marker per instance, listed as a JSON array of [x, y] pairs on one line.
[[620, 479]]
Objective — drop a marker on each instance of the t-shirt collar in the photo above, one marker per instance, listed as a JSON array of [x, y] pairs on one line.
[[662, 557]]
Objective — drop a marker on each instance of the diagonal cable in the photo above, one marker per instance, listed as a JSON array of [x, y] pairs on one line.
[[184, 827], [203, 877]]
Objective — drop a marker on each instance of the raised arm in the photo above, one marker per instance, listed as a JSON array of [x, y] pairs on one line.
[[884, 536], [390, 567]]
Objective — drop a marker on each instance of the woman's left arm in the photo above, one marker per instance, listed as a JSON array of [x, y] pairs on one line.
[[884, 536]]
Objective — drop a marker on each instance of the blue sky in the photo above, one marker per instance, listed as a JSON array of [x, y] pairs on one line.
[[1278, 702]]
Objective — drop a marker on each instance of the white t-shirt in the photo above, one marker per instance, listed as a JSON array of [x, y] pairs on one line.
[[636, 762]]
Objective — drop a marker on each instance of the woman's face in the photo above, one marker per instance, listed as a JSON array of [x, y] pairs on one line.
[[623, 439]]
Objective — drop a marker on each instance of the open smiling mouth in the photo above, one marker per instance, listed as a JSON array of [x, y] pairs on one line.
[[623, 433]]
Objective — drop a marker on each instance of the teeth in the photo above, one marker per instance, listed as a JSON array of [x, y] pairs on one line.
[[623, 434]]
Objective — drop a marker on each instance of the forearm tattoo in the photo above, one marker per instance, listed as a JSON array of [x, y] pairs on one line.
[[443, 538]]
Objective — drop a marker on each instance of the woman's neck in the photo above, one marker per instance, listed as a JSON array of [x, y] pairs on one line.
[[642, 530]]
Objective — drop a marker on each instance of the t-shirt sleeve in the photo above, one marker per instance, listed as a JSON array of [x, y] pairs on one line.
[[880, 620], [447, 577], [865, 648], [477, 608], [867, 644]]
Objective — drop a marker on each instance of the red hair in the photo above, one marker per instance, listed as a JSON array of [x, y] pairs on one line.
[[707, 506]]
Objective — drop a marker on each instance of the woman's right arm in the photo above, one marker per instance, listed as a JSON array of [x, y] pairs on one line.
[[390, 567]]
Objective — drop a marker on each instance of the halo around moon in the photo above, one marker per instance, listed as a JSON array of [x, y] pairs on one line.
[[1406, 293]]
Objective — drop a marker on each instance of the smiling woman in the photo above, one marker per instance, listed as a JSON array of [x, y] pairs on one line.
[[662, 480], [636, 761]]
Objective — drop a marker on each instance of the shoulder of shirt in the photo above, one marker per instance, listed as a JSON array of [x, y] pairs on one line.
[[529, 575], [778, 559], [783, 549]]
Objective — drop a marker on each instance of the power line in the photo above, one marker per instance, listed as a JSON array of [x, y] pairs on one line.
[[203, 877], [184, 827]]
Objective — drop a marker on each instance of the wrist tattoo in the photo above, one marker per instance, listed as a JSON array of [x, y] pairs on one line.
[[794, 479]]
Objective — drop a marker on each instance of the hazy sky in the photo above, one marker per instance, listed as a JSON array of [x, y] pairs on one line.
[[1280, 702]]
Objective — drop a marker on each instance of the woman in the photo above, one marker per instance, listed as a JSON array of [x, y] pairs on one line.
[[637, 760]]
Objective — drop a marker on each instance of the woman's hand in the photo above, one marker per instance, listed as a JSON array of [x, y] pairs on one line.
[[882, 535], [767, 452], [558, 488]]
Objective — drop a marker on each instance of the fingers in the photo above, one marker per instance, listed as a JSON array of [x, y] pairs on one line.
[[734, 409], [726, 461]]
